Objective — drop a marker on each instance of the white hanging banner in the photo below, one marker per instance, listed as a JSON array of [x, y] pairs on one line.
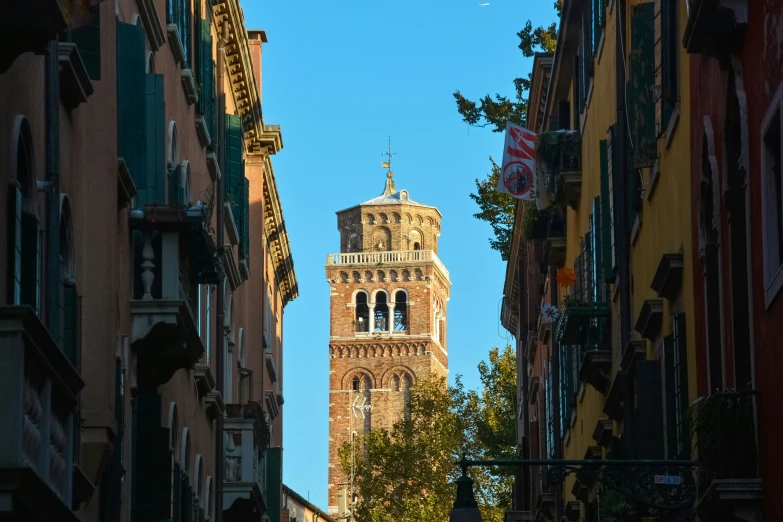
[[517, 173]]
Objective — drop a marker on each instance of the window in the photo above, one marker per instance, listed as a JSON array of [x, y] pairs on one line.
[[393, 276], [179, 18], [406, 276], [88, 40], [599, 21], [353, 243], [400, 311], [69, 300], [772, 179], [355, 383], [676, 384], [24, 236], [208, 326], [381, 312], [362, 313]]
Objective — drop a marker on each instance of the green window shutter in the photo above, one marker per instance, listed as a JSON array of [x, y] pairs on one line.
[[111, 483], [680, 374], [607, 192], [595, 235], [639, 89], [274, 483], [649, 411], [31, 262], [672, 438], [176, 195], [152, 462], [233, 155], [599, 21], [578, 287], [88, 41], [669, 51], [206, 77], [71, 324], [14, 244], [176, 494], [155, 143], [131, 57]]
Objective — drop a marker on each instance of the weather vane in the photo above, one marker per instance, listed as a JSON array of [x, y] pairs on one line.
[[389, 154]]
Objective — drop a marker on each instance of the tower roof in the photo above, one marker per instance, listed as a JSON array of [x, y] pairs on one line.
[[391, 196]]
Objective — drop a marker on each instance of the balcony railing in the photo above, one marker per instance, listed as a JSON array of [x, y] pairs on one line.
[[40, 410], [396, 257], [245, 439]]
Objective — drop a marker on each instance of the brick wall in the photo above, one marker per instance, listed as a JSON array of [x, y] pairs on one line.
[[398, 225]]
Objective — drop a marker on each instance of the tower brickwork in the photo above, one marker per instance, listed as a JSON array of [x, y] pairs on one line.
[[388, 302]]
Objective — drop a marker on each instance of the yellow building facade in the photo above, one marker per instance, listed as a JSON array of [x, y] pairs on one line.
[[622, 356]]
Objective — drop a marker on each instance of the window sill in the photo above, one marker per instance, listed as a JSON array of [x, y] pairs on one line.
[[772, 290], [175, 43], [655, 173], [203, 132], [189, 86]]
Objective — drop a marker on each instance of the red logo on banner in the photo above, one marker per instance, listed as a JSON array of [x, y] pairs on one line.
[[517, 177]]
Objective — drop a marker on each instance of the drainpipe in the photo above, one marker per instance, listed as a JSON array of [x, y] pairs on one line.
[[620, 157], [52, 117], [555, 356], [219, 328]]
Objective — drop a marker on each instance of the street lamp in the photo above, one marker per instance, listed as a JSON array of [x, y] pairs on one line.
[[465, 508]]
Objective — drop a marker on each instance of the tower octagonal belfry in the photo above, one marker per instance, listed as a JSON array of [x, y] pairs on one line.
[[389, 292]]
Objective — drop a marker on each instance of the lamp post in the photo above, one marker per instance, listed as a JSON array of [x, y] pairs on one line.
[[465, 508]]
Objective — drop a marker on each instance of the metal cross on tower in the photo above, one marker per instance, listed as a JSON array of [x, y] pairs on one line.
[[388, 154]]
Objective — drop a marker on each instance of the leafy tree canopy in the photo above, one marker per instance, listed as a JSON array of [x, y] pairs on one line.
[[407, 473], [494, 112]]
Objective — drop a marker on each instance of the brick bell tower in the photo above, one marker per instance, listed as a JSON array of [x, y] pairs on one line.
[[388, 319]]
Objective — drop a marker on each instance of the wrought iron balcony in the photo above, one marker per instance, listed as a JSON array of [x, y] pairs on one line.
[[724, 429], [391, 257], [561, 152], [172, 255], [581, 321], [555, 243], [246, 436], [40, 413]]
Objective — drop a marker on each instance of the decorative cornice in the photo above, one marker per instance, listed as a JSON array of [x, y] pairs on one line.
[[239, 67], [277, 236]]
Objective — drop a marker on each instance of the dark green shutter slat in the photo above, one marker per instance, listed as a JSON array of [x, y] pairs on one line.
[[14, 244], [234, 147], [672, 439], [111, 487], [681, 372], [669, 50], [88, 40], [649, 412], [131, 58], [642, 78], [155, 142], [274, 483], [152, 461], [596, 227]]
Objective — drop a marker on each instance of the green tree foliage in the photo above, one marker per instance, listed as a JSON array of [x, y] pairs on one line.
[[407, 473], [494, 112], [497, 209]]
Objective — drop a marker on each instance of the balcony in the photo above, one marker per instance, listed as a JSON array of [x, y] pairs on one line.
[[40, 412], [581, 321], [391, 257], [716, 28], [555, 242], [561, 152], [729, 478], [172, 255], [245, 437]]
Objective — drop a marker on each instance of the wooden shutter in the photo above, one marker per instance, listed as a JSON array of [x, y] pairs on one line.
[[640, 91], [155, 142], [233, 155], [649, 411], [14, 244], [131, 58], [152, 461], [88, 40], [274, 483], [176, 190], [597, 231], [669, 50], [610, 198], [599, 14], [658, 45], [31, 262], [206, 78]]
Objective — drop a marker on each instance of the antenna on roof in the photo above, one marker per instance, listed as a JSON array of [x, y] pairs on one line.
[[388, 154]]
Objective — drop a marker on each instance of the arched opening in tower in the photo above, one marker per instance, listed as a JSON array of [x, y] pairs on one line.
[[362, 313], [381, 312], [400, 311]]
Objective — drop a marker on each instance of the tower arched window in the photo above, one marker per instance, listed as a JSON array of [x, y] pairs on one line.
[[406, 276], [393, 275], [381, 312], [356, 383], [69, 300], [381, 276], [362, 312], [400, 311], [396, 382]]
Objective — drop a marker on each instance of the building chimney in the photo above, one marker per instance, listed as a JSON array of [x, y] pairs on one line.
[[256, 39]]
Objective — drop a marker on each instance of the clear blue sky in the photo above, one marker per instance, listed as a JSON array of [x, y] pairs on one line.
[[340, 77]]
